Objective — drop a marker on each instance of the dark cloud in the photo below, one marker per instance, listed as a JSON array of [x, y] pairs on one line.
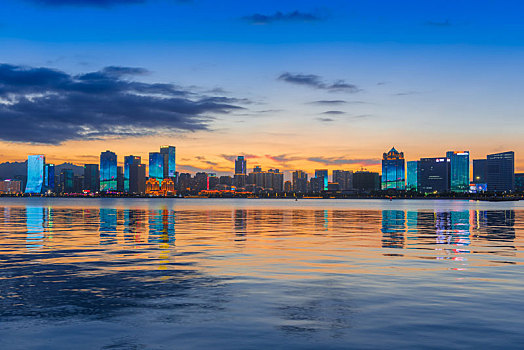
[[315, 81], [342, 161], [232, 157], [282, 158], [334, 112], [294, 16], [328, 102], [98, 3], [326, 120], [43, 105], [445, 23]]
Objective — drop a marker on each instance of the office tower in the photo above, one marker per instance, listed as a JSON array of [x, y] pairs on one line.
[[393, 170], [480, 171], [156, 166], [91, 178], [49, 178], [412, 178], [322, 175], [184, 182], [78, 184], [120, 179], [201, 183], [299, 181], [501, 172], [288, 188], [67, 178], [344, 179], [240, 166], [108, 175], [277, 180], [169, 161], [212, 181], [129, 160], [35, 174], [519, 182], [137, 178], [366, 181], [316, 185], [10, 186], [257, 169], [433, 175], [459, 171]]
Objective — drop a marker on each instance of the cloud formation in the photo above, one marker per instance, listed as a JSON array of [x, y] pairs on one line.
[[315, 81], [294, 16], [43, 105], [99, 3], [328, 102], [343, 161], [334, 112]]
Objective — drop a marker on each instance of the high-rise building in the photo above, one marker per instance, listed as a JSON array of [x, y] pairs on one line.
[[91, 178], [169, 165], [212, 181], [433, 175], [108, 171], [137, 178], [322, 176], [288, 188], [35, 174], [67, 181], [156, 166], [366, 181], [412, 178], [240, 166], [501, 172], [10, 186], [480, 171], [299, 181], [201, 183], [519, 182], [393, 170], [129, 160], [344, 178], [459, 171], [120, 179], [49, 178]]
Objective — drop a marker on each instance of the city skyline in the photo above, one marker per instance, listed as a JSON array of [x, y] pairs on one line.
[[294, 86]]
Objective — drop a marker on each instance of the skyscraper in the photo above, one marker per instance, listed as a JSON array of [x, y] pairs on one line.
[[322, 176], [119, 179], [49, 178], [108, 168], [240, 166], [459, 171], [412, 178], [156, 166], [393, 170], [137, 178], [501, 172], [91, 178], [128, 160], [480, 171], [169, 163], [344, 179], [433, 175], [299, 181], [35, 174], [67, 178], [366, 181]]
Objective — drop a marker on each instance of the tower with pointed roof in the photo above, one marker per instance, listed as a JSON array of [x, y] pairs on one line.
[[393, 170]]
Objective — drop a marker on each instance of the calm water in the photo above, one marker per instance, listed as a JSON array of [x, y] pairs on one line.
[[242, 274]]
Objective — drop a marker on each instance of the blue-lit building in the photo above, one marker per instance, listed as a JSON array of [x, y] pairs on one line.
[[501, 172], [412, 178], [393, 170], [169, 165], [35, 174], [433, 175], [240, 166], [459, 171], [129, 160], [67, 178], [322, 177], [156, 166], [49, 178], [108, 171], [91, 178]]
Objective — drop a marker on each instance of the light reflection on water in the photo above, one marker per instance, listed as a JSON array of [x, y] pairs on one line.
[[236, 277]]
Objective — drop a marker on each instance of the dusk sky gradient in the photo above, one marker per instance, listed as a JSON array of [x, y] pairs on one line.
[[291, 85]]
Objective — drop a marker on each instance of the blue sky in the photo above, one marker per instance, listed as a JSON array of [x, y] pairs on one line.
[[429, 75]]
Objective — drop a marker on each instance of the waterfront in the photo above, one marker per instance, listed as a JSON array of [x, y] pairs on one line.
[[203, 273]]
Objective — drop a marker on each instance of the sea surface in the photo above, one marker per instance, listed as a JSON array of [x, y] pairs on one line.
[[260, 274]]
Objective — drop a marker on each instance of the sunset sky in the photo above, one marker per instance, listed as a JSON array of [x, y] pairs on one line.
[[290, 85]]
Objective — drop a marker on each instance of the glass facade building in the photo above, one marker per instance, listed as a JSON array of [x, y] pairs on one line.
[[240, 166], [108, 175], [393, 170], [91, 178], [35, 174], [480, 171], [433, 175], [49, 178], [169, 159], [501, 172], [459, 171], [344, 179], [156, 166], [129, 160], [322, 176], [412, 178]]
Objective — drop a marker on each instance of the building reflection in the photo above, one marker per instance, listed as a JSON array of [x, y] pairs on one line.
[[35, 227], [108, 223], [393, 228], [240, 224], [161, 226], [495, 225]]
